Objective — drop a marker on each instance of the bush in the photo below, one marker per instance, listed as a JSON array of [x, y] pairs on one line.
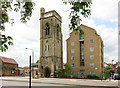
[[92, 77], [11, 68]]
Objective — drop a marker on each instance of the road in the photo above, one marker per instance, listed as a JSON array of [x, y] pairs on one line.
[[14, 84]]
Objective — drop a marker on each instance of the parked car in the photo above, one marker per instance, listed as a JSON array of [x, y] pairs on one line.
[[116, 76]]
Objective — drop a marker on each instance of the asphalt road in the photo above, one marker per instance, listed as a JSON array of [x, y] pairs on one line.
[[13, 84]]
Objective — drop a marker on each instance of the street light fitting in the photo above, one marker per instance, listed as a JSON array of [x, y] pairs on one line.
[[29, 49], [32, 58]]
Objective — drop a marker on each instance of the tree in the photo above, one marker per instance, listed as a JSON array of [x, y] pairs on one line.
[[66, 71], [78, 7], [37, 61], [24, 8], [108, 70]]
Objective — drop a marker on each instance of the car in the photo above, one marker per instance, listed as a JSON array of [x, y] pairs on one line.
[[116, 76]]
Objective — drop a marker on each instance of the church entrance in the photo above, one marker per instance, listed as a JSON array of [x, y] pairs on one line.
[[47, 72]]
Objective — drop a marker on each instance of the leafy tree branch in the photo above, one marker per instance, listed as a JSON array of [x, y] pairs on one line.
[[78, 8], [24, 8]]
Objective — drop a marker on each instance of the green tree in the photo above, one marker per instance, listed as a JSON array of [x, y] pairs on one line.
[[24, 8], [78, 7], [37, 61], [108, 71], [66, 71]]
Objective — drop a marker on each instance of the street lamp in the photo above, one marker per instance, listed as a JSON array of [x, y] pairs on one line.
[[112, 68], [32, 59], [30, 74], [112, 62]]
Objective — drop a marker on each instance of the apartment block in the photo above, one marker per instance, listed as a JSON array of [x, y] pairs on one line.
[[85, 52]]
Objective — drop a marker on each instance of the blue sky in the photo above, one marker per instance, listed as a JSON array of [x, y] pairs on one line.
[[104, 20]]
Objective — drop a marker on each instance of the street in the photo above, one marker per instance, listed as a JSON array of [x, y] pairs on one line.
[[16, 84], [13, 83]]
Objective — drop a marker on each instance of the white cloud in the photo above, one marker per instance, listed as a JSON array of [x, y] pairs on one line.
[[109, 36], [109, 58], [105, 10], [27, 35]]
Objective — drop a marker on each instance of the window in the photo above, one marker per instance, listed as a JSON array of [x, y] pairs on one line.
[[91, 48], [92, 72], [72, 43], [91, 64], [72, 51], [82, 57], [82, 44], [91, 41], [72, 65], [82, 64], [81, 35], [91, 56], [72, 57], [82, 53], [47, 29], [42, 67], [48, 47], [45, 47], [57, 30]]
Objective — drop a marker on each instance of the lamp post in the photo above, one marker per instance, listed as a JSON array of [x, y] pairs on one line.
[[112, 68], [32, 60], [112, 62], [29, 71], [30, 74]]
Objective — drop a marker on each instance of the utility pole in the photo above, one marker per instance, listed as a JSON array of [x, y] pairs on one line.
[[30, 74], [112, 68]]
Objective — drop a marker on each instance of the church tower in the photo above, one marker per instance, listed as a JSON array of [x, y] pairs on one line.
[[51, 52]]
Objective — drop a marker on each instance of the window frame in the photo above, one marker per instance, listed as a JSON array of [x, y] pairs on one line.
[[72, 58], [72, 65], [72, 43], [92, 65], [72, 50], [92, 57], [91, 49], [91, 42]]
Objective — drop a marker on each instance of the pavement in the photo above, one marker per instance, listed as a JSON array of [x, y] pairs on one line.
[[74, 82]]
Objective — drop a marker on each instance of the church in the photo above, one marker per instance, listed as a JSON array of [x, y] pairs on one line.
[[51, 49]]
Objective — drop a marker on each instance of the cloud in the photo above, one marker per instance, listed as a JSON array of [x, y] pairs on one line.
[[106, 10], [109, 36], [109, 58], [27, 35]]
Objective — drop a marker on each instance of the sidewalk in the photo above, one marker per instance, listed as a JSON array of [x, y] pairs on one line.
[[78, 82]]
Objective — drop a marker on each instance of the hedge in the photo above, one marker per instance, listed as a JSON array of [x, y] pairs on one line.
[[92, 77]]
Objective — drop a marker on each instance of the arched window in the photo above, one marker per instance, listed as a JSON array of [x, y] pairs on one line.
[[47, 29], [57, 30]]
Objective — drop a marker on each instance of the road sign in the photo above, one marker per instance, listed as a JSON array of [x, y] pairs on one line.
[[27, 70]]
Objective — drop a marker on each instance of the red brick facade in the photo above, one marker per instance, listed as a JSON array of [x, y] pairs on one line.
[[8, 66]]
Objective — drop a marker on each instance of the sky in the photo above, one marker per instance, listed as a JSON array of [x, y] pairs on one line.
[[104, 19]]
